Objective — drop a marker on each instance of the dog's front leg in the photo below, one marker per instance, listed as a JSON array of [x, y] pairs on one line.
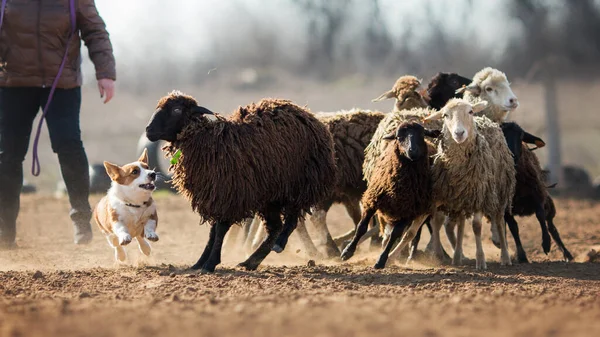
[[122, 233], [150, 230]]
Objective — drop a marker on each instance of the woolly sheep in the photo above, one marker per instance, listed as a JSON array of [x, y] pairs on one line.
[[473, 173], [271, 158], [400, 190]]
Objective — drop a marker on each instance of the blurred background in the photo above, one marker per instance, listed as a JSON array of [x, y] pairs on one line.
[[340, 54]]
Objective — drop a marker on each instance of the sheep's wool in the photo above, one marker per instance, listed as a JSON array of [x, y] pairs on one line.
[[352, 131]]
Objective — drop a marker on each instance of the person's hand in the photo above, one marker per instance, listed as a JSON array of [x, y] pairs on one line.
[[107, 89]]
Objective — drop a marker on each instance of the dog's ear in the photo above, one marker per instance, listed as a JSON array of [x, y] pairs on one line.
[[113, 171], [144, 157]]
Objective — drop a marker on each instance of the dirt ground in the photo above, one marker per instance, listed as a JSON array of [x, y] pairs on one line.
[[50, 287]]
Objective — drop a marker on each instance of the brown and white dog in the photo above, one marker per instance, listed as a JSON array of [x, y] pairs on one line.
[[128, 211]]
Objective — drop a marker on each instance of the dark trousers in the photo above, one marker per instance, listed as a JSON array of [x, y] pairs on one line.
[[18, 109]]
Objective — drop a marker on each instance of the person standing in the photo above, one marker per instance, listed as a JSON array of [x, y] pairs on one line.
[[33, 42]]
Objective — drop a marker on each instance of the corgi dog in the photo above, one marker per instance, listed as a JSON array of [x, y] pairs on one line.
[[128, 211]]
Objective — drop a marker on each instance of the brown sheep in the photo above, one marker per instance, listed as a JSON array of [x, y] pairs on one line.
[[400, 189], [271, 158]]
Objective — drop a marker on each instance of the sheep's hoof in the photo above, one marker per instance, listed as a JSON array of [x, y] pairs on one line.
[[522, 258], [248, 266], [546, 246], [196, 266], [568, 257], [206, 271], [346, 254], [379, 265], [496, 243], [277, 248], [480, 265]]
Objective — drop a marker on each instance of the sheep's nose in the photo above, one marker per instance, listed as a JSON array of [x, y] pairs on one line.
[[513, 101], [152, 175], [459, 134]]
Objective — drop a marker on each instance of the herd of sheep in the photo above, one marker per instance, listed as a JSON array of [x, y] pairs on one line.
[[444, 155]]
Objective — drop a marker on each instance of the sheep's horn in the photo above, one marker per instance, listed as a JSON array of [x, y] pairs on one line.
[[201, 110]]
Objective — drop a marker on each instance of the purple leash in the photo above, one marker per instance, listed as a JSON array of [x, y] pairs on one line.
[[35, 165]]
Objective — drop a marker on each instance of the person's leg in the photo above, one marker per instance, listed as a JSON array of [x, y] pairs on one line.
[[18, 107], [65, 136]]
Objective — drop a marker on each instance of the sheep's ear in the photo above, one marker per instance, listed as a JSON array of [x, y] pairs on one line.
[[201, 110], [386, 95], [473, 88], [434, 116], [531, 139], [479, 106], [113, 170], [432, 133], [390, 136]]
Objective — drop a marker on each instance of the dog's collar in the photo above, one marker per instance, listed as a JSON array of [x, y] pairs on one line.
[[146, 203]]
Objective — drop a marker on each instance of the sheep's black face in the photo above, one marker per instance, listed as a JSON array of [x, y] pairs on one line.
[[170, 117], [165, 124], [411, 137], [443, 87], [514, 136]]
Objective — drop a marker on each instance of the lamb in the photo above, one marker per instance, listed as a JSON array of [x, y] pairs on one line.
[[473, 174], [531, 195], [400, 190], [271, 158]]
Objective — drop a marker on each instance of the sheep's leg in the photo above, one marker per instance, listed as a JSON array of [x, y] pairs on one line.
[[415, 242], [480, 254], [495, 236], [273, 228], [353, 211], [307, 242], [449, 227], [376, 239], [207, 248], [252, 230], [246, 224], [291, 222], [361, 229], [514, 230], [396, 232], [438, 219], [259, 236], [232, 236], [319, 220], [540, 214], [458, 252], [222, 227], [498, 221], [554, 232], [408, 236]]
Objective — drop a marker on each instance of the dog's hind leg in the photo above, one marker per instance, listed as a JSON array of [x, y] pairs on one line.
[[145, 247]]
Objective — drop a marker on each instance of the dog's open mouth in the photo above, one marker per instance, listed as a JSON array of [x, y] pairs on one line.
[[148, 186]]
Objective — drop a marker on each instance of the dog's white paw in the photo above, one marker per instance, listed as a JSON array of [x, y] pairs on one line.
[[151, 236], [124, 239]]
